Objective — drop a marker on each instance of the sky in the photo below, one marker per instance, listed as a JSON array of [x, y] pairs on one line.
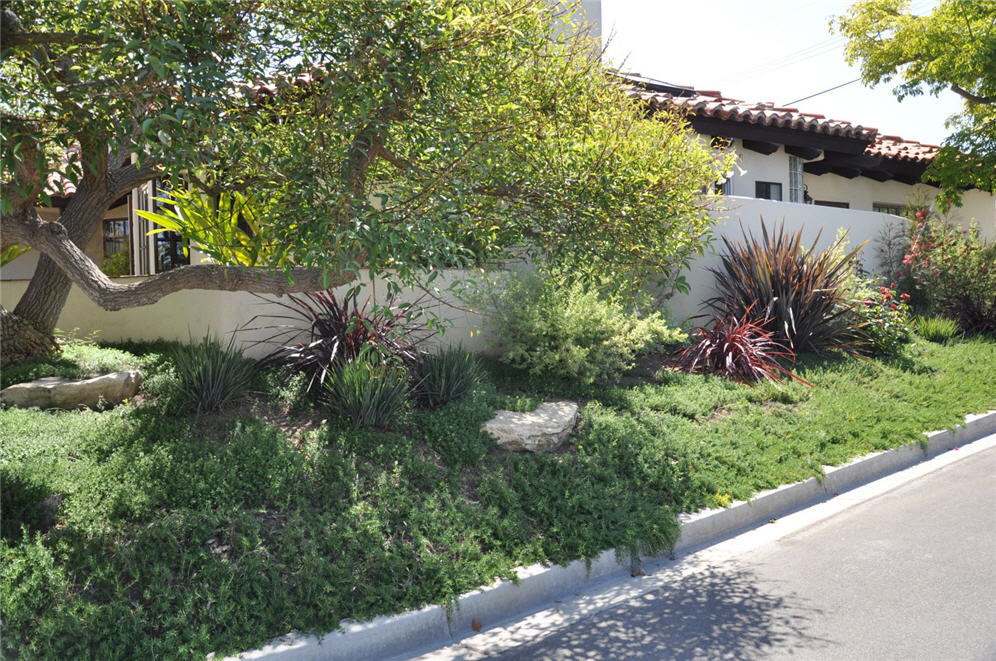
[[765, 50]]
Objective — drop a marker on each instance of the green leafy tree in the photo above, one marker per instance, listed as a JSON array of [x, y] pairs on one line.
[[951, 48], [403, 136]]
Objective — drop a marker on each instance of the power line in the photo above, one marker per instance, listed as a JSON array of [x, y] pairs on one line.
[[836, 87]]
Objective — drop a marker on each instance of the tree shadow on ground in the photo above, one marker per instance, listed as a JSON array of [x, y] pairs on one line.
[[715, 613]]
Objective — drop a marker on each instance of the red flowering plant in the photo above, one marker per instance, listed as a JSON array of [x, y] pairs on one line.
[[953, 271], [884, 317]]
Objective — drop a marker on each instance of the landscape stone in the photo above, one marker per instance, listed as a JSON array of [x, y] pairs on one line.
[[542, 430], [56, 392]]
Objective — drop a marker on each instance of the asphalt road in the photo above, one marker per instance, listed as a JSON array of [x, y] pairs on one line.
[[907, 575]]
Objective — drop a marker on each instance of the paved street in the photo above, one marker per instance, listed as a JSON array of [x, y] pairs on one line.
[[907, 575]]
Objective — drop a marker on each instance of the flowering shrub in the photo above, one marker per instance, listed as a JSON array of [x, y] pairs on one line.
[[953, 272], [883, 316]]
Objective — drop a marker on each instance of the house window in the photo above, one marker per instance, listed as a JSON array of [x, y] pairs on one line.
[[795, 179], [768, 190], [115, 236], [894, 209], [828, 203], [170, 251], [170, 247]]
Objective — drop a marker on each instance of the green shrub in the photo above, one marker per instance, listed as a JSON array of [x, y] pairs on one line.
[[366, 393], [211, 376], [955, 271], [803, 292], [552, 327], [936, 329], [882, 317], [445, 377]]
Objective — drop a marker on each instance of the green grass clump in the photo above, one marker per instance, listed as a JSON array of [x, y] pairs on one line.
[[212, 376], [366, 393], [445, 376], [936, 329]]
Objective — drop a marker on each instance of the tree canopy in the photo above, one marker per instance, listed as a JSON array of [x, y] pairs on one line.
[[401, 136], [951, 48]]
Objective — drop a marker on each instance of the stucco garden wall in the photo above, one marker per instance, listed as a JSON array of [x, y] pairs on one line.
[[862, 193]]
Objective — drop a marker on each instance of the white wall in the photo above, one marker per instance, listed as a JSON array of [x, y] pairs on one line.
[[748, 212], [197, 311], [862, 193]]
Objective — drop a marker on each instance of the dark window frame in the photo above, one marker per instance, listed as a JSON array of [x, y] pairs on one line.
[[831, 203], [764, 190]]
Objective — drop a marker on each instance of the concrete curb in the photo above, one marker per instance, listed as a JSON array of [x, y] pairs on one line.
[[538, 585]]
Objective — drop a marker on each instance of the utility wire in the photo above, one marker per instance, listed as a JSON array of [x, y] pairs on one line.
[[836, 87]]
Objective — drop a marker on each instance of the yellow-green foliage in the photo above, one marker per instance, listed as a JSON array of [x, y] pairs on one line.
[[565, 329]]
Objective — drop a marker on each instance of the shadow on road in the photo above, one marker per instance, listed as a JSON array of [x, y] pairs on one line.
[[714, 613]]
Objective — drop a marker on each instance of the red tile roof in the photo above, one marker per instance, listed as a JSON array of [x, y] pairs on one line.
[[712, 104], [894, 147]]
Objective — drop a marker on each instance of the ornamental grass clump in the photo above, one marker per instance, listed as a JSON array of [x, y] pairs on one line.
[[444, 377], [211, 376], [367, 393], [738, 348], [936, 329], [801, 293]]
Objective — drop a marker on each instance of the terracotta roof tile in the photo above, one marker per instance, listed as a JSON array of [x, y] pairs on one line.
[[894, 147], [713, 104]]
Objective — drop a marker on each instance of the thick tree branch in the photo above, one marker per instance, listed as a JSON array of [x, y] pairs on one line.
[[53, 240], [973, 98], [130, 176]]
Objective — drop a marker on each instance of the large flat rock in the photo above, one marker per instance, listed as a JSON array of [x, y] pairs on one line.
[[542, 430], [56, 392]]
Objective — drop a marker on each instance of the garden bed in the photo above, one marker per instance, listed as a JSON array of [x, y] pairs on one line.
[[154, 533]]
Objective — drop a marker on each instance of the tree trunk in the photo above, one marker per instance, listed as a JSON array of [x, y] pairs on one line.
[[21, 340], [43, 300]]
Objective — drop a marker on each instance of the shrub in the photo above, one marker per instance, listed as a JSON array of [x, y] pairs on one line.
[[550, 326], [801, 293], [936, 329], [738, 348], [211, 376], [882, 317], [367, 393], [955, 272], [445, 377], [339, 331]]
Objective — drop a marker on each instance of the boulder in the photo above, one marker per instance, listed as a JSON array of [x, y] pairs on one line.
[[56, 392], [542, 430]]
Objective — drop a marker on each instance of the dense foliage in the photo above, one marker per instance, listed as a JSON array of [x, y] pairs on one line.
[[401, 137], [800, 292], [955, 270], [882, 317], [549, 324], [951, 47]]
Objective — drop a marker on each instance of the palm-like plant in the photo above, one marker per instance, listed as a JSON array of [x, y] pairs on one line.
[[800, 292]]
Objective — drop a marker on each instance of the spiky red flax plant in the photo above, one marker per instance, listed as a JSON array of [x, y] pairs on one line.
[[738, 348]]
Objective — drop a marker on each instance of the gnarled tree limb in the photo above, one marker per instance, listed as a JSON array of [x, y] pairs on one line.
[[53, 240]]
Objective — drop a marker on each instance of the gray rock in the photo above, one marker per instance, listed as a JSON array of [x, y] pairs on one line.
[[542, 430], [56, 392]]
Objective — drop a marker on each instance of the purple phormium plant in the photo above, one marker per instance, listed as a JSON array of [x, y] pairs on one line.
[[739, 349], [322, 331]]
